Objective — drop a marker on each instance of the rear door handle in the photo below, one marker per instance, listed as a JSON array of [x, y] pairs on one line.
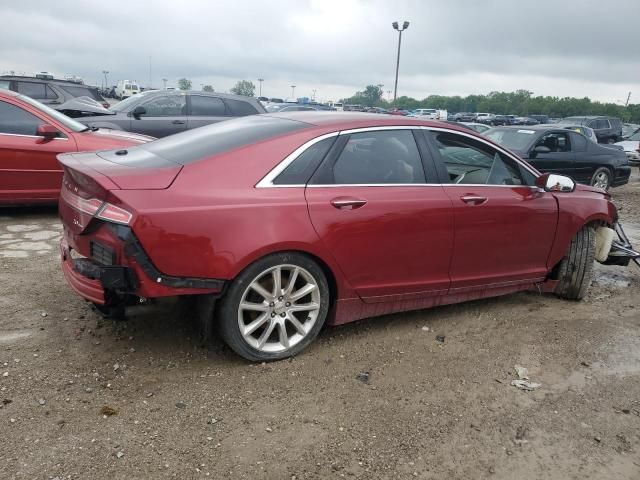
[[178, 122], [348, 203], [473, 199]]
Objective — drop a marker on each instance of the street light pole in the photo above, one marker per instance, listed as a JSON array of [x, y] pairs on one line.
[[395, 26], [314, 95], [105, 73], [260, 91], [293, 91], [164, 80]]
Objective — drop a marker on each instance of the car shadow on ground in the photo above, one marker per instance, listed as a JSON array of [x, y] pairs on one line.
[[29, 212]]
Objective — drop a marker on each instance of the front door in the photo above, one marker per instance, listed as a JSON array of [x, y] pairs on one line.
[[504, 226], [29, 169], [560, 158], [165, 115], [390, 232]]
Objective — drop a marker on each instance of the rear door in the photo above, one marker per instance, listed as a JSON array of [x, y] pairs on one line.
[[560, 159], [504, 228], [29, 169], [584, 164], [205, 109], [390, 232], [165, 115]]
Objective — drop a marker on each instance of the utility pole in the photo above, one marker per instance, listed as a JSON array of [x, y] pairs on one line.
[[164, 80], [105, 73], [293, 91], [260, 80], [395, 26], [313, 97], [626, 104]]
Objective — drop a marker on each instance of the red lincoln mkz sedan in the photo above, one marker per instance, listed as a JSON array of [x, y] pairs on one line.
[[31, 135], [301, 219]]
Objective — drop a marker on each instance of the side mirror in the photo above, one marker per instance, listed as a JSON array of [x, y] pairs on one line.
[[539, 149], [46, 131], [552, 182], [138, 112]]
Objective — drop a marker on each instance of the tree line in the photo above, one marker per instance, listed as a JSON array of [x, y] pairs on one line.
[[520, 102]]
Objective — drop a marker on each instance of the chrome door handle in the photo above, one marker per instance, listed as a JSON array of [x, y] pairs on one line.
[[348, 203], [473, 199]]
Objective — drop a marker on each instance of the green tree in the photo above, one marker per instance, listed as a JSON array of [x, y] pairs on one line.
[[244, 87], [207, 88], [184, 84]]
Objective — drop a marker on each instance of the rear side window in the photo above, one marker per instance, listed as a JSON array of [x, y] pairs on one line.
[[239, 108], [300, 170], [80, 91], [206, 106], [199, 143], [379, 157], [169, 106], [14, 120], [33, 90]]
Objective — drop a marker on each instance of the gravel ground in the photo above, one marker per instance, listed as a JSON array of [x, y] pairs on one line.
[[84, 397]]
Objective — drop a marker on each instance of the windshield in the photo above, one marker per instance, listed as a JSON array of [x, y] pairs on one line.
[[70, 123], [511, 138], [124, 105], [635, 136]]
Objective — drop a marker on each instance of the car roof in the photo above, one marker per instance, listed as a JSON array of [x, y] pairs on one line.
[[541, 128], [46, 80], [348, 120]]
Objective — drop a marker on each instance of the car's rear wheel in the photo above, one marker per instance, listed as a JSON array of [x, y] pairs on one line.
[[275, 307], [575, 271], [601, 178]]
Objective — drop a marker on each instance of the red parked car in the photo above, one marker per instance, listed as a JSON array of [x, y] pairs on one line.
[[31, 135], [301, 219]]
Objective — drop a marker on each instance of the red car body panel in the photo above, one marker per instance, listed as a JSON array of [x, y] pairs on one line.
[[29, 170], [408, 247]]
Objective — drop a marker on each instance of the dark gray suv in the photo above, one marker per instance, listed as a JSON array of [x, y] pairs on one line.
[[52, 92], [164, 112], [608, 129]]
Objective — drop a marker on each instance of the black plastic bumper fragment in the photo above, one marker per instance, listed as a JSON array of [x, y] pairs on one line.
[[111, 277], [133, 249]]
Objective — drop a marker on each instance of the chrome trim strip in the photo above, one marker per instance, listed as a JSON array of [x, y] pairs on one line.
[[267, 180], [30, 136]]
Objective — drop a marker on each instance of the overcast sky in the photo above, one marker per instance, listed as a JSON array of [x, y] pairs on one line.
[[551, 47]]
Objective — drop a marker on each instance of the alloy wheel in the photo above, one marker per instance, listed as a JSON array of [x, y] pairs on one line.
[[601, 180], [279, 308]]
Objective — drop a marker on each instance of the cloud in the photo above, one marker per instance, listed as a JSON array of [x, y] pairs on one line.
[[570, 48]]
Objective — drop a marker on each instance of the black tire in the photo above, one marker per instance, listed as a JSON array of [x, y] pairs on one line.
[[601, 178], [227, 313], [575, 271]]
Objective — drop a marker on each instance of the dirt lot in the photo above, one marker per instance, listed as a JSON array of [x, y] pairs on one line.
[[89, 398]]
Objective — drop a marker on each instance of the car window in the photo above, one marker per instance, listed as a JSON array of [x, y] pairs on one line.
[[169, 106], [239, 108], [202, 105], [14, 120], [379, 157], [300, 170], [82, 91], [6, 84], [556, 142], [578, 142], [469, 161], [33, 89]]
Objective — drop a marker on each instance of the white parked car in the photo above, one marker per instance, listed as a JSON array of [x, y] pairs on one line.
[[126, 88], [631, 147], [429, 113], [485, 118]]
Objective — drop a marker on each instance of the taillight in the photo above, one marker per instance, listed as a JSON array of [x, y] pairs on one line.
[[111, 213], [97, 208]]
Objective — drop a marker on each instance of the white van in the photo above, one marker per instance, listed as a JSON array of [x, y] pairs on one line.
[[126, 88]]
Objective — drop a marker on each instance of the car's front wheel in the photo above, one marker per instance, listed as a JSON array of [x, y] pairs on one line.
[[275, 307], [601, 178], [575, 271]]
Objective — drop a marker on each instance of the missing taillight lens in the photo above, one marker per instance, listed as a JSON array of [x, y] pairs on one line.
[[111, 213]]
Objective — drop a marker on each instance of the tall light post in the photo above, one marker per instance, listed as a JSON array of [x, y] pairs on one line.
[[260, 80], [164, 80], [105, 73], [405, 25], [313, 97], [293, 91]]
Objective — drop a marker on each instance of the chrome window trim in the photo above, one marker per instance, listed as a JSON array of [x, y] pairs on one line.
[[267, 180], [31, 136]]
